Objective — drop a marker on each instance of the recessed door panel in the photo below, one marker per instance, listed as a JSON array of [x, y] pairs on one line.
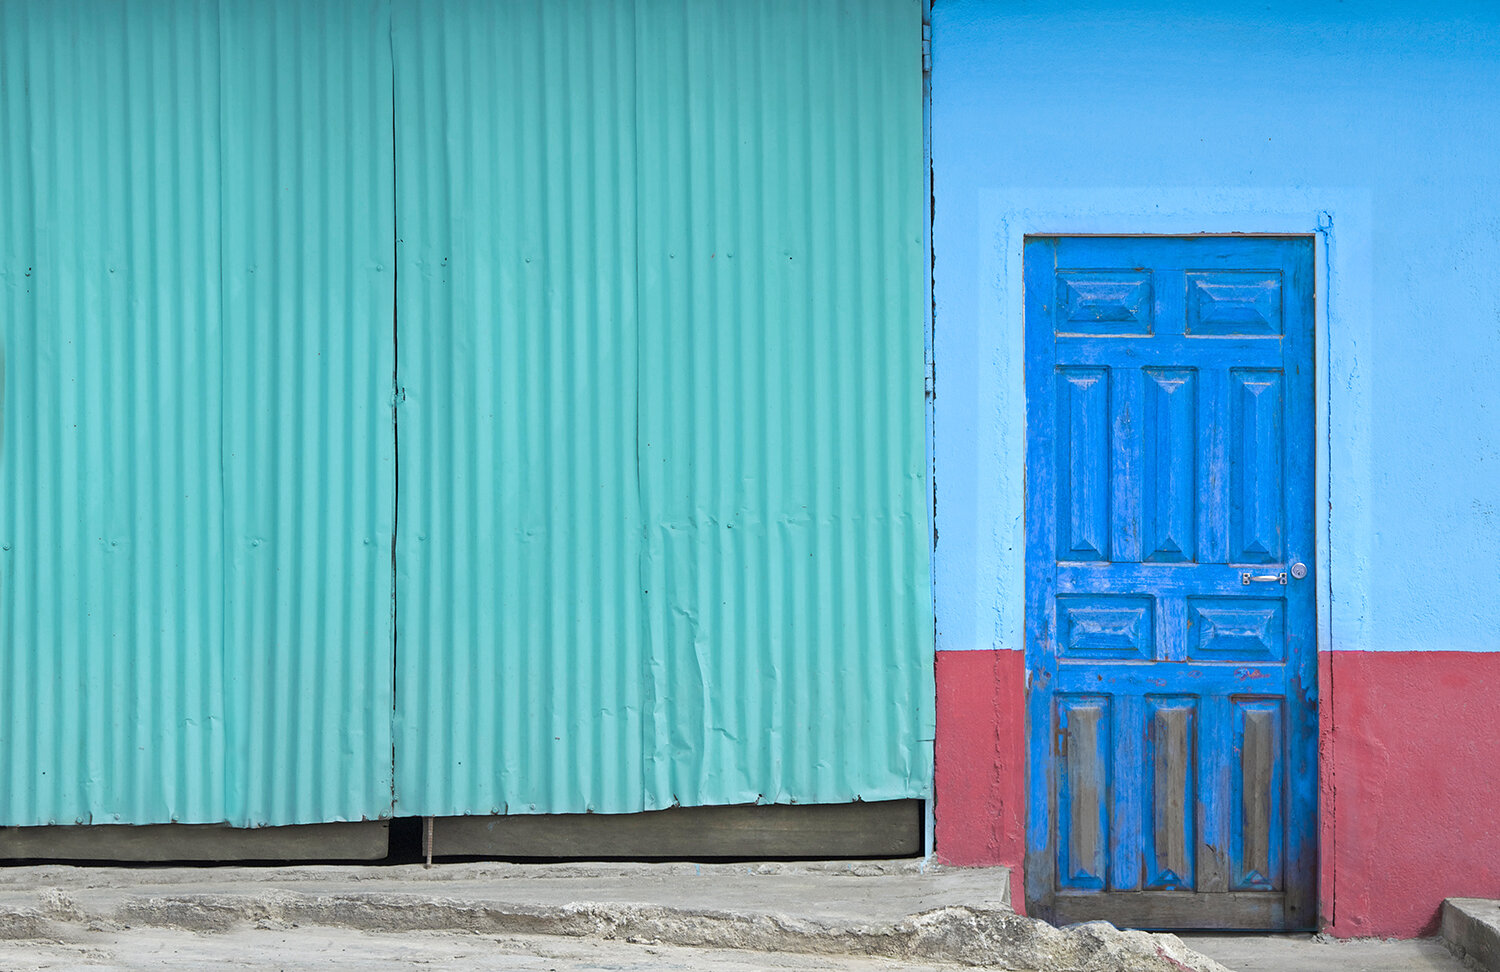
[[1171, 643], [1083, 790], [1169, 833]]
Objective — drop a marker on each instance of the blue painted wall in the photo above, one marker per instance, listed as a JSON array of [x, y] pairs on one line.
[[1372, 125]]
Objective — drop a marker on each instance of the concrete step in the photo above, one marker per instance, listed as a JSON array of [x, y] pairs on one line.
[[1321, 953], [1471, 927], [902, 909]]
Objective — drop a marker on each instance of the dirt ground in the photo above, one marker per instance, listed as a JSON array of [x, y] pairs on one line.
[[298, 949]]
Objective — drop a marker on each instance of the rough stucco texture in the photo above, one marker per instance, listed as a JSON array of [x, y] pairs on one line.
[[1415, 796], [981, 761]]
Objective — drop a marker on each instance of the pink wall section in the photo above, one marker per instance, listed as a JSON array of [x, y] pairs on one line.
[[1410, 780], [980, 761], [1415, 778]]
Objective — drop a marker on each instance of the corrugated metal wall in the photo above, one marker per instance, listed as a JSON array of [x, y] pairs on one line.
[[520, 621], [782, 436], [198, 468], [662, 527], [308, 269], [112, 557], [653, 275]]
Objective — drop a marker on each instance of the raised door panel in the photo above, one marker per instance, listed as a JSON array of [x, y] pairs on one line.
[[1169, 444], [1255, 466], [1083, 463]]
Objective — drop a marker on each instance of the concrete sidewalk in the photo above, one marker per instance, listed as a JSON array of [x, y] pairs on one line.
[[839, 912], [1318, 953]]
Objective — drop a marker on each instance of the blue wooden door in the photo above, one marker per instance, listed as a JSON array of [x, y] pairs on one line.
[[1172, 712]]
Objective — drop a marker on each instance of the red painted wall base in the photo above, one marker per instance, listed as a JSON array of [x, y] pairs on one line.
[[980, 762], [1414, 766], [1410, 774]]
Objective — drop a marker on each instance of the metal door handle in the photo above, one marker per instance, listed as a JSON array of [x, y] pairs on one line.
[[1247, 578]]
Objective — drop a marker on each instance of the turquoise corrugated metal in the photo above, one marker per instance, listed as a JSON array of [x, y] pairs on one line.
[[197, 465], [111, 562], [520, 626], [662, 525], [309, 369], [782, 415]]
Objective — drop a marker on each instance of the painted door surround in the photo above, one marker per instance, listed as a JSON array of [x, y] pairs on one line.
[[1170, 617], [979, 420]]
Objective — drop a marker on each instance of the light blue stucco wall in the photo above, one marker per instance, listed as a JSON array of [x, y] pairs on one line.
[[1372, 125]]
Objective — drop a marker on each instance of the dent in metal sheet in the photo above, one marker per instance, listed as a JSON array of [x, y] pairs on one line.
[[665, 525]]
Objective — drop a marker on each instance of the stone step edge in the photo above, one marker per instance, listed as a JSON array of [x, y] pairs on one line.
[[1470, 927]]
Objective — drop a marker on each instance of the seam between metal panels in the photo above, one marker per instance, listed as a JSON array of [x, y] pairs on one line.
[[930, 405], [643, 538], [225, 540], [396, 393], [931, 322]]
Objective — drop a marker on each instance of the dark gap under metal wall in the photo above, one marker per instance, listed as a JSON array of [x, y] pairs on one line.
[[663, 538]]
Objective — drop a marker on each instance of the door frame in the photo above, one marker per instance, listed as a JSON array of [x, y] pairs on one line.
[[1290, 907], [980, 576]]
